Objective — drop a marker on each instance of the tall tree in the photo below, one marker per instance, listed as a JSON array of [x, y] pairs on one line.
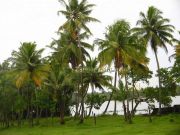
[[121, 48], [60, 80], [77, 15], [157, 31], [95, 78], [28, 67], [66, 52], [137, 73]]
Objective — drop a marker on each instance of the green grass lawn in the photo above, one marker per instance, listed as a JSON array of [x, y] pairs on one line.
[[106, 125]]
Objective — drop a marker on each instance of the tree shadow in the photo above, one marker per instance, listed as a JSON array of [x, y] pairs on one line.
[[174, 132]]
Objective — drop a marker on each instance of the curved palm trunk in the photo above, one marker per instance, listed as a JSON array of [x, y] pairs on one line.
[[115, 75], [82, 111], [158, 67], [108, 103]]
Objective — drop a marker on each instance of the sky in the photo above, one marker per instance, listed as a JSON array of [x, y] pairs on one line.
[[37, 20]]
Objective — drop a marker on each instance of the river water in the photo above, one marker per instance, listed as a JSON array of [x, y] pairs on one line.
[[141, 109]]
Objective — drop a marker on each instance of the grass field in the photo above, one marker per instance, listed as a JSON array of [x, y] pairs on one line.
[[106, 125]]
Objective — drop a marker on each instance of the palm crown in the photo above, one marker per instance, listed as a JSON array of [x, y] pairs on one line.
[[28, 64], [77, 15], [155, 29], [66, 50], [120, 46], [95, 77]]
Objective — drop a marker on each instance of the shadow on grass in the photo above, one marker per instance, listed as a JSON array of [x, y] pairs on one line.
[[174, 132]]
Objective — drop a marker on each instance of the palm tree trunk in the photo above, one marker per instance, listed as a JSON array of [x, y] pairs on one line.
[[19, 112], [108, 102], [40, 113], [124, 108], [28, 104], [158, 67], [37, 108], [90, 109], [134, 109], [82, 110], [37, 115], [77, 106], [62, 107], [109, 98], [132, 112], [79, 111], [115, 80], [127, 100], [12, 115], [77, 103], [82, 99]]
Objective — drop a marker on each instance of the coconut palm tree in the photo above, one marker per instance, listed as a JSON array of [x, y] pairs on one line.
[[121, 48], [28, 65], [77, 15], [66, 51], [60, 80], [75, 27], [95, 78], [157, 31]]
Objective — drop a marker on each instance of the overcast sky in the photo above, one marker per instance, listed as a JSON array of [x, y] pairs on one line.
[[37, 20]]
